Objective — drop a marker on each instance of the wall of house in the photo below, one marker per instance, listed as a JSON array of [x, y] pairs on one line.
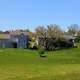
[[5, 43], [21, 40]]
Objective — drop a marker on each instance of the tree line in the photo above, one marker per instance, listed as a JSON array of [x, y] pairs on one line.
[[52, 36], [54, 30]]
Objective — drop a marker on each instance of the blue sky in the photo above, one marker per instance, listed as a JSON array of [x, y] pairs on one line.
[[28, 14]]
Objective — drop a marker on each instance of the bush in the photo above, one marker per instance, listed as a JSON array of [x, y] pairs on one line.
[[42, 53]]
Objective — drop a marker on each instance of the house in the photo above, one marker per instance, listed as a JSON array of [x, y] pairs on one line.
[[15, 39]]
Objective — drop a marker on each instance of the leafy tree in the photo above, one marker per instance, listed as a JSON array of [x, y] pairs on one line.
[[32, 43], [27, 30]]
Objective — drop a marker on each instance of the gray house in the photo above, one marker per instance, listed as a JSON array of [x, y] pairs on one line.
[[12, 40]]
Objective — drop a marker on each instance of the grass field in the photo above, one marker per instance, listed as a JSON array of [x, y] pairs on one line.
[[23, 64]]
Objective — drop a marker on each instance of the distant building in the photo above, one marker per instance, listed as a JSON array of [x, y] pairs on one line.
[[16, 39]]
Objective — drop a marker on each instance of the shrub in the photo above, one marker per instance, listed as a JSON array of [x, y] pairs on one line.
[[42, 53]]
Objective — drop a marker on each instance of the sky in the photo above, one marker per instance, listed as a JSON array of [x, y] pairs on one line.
[[28, 14]]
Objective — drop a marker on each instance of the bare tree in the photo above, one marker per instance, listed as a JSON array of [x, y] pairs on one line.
[[41, 31], [54, 31], [48, 35], [73, 29]]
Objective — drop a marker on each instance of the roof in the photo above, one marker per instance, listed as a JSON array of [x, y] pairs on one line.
[[17, 32], [69, 37], [4, 36]]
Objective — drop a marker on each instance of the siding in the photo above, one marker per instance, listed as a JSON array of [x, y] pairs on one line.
[[5, 43], [21, 40]]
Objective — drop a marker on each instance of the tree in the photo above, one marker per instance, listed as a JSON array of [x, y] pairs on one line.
[[55, 34], [73, 29], [27, 30], [48, 36], [42, 33], [54, 31]]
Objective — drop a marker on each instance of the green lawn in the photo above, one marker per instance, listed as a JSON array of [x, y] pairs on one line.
[[23, 64]]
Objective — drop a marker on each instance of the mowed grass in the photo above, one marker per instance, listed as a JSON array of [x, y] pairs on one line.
[[24, 64]]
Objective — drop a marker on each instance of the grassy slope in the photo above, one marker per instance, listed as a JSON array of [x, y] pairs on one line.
[[22, 64]]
